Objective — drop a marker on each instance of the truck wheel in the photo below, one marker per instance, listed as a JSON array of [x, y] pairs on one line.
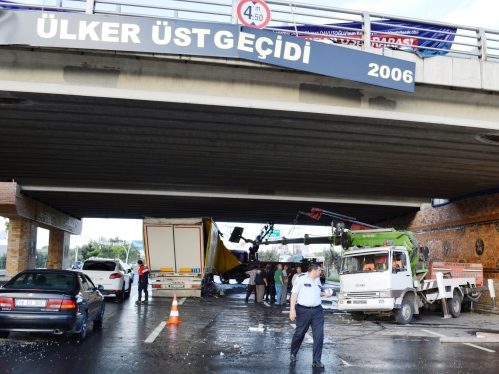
[[240, 280], [4, 334], [405, 313], [454, 305], [359, 316], [224, 278]]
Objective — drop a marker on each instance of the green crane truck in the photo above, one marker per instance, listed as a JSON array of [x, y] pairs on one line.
[[385, 272]]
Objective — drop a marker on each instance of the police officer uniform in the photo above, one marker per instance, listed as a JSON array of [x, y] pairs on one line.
[[308, 313]]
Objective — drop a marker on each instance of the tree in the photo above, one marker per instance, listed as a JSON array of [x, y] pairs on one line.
[[110, 248], [271, 255], [3, 261], [41, 260], [88, 250], [332, 257], [6, 223]]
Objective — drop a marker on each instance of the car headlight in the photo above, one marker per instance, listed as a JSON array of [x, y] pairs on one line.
[[340, 295], [385, 294]]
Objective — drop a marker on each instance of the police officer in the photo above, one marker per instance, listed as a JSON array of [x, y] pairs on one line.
[[306, 308]]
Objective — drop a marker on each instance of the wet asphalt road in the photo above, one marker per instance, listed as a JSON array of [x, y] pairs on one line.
[[215, 338]]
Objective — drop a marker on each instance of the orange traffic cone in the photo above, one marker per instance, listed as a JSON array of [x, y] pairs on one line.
[[174, 317]]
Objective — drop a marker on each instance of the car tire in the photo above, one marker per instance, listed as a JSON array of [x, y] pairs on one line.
[[100, 317], [129, 291], [122, 293], [83, 330], [4, 334]]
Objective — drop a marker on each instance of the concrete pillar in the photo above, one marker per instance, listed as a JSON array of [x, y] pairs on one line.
[[21, 246], [58, 253], [26, 215]]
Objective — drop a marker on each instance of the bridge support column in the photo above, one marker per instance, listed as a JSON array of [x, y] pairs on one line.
[[21, 246], [58, 254], [26, 215]]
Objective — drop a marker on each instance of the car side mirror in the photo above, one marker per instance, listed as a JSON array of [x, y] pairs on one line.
[[100, 287]]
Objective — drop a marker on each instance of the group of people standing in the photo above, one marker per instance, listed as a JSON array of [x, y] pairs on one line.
[[271, 283]]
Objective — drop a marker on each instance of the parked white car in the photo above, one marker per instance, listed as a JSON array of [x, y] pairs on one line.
[[112, 274], [130, 271]]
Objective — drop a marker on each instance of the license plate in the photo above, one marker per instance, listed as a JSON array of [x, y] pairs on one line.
[[176, 286], [360, 301], [31, 303]]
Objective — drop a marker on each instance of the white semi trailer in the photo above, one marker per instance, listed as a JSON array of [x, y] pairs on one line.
[[183, 254]]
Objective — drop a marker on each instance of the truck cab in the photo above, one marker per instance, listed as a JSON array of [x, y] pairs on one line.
[[374, 280]]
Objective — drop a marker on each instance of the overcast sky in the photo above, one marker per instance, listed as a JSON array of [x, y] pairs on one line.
[[478, 13], [464, 12]]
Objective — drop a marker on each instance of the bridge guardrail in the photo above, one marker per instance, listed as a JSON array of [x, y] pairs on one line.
[[354, 27]]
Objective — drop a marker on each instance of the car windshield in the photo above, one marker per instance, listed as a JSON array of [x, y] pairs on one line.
[[365, 263], [99, 265], [41, 280]]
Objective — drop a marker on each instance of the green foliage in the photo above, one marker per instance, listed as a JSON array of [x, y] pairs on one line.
[[271, 255], [86, 251], [332, 257], [41, 260], [334, 278], [109, 248], [6, 224], [3, 261]]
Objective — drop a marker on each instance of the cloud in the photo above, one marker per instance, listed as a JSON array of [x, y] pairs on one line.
[[477, 13]]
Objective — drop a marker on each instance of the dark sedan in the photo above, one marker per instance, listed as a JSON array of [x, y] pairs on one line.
[[50, 301]]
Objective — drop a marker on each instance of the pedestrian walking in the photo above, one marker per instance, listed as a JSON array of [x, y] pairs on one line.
[[143, 283], [306, 308], [279, 282], [251, 282]]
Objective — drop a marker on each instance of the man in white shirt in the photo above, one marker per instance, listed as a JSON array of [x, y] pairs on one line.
[[306, 308], [295, 276]]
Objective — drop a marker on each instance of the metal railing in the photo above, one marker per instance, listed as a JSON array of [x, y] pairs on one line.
[[468, 42]]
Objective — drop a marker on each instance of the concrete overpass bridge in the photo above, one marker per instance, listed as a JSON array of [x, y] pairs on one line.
[[121, 134]]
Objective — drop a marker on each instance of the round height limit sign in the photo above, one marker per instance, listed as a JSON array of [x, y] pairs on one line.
[[254, 13]]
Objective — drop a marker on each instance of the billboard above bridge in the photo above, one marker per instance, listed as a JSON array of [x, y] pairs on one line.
[[171, 36]]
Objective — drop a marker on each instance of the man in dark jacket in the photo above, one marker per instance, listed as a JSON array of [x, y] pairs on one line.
[[143, 282], [266, 271], [271, 282]]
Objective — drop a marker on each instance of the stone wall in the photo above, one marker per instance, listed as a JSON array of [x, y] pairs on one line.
[[463, 231]]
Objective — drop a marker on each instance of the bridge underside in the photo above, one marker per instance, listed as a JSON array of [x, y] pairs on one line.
[[248, 160]]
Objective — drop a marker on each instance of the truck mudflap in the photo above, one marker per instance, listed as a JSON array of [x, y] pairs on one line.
[[361, 305]]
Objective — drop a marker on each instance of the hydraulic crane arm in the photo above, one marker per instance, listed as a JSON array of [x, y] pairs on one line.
[[343, 222]]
